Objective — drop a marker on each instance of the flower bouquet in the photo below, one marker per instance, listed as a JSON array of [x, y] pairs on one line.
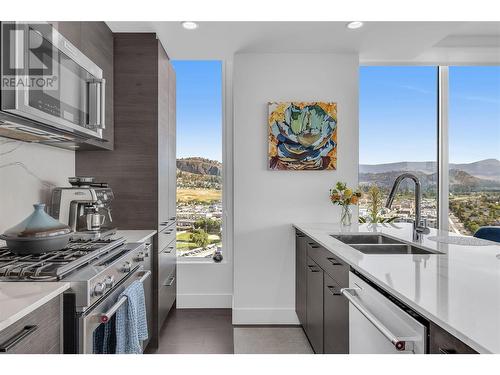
[[344, 197]]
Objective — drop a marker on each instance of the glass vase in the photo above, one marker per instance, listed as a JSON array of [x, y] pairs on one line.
[[346, 216]]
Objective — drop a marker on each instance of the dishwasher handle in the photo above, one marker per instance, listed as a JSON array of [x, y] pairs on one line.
[[399, 343]]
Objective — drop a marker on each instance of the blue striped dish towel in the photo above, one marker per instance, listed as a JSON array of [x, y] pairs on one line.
[[131, 321], [105, 338]]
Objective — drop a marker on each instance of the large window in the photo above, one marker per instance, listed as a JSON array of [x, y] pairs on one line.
[[401, 116], [199, 158], [474, 147], [398, 122]]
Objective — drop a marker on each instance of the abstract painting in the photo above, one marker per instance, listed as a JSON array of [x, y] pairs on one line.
[[302, 135]]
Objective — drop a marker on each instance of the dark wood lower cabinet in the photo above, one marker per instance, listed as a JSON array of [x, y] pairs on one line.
[[336, 318], [314, 304], [39, 332], [441, 342], [301, 277]]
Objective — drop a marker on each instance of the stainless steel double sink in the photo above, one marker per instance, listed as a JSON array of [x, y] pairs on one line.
[[380, 244]]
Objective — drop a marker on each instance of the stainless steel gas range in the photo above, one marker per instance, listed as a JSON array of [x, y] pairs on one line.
[[99, 271]]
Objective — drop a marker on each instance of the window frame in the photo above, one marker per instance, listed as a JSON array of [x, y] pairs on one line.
[[227, 170], [442, 129], [443, 155]]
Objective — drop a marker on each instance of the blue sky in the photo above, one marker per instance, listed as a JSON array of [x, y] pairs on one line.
[[398, 110], [398, 114], [199, 109], [474, 120]]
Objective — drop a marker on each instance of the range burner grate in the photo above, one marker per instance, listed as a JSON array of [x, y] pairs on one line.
[[54, 265]]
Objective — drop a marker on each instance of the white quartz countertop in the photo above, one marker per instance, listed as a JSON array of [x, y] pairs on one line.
[[135, 235], [458, 290], [18, 299]]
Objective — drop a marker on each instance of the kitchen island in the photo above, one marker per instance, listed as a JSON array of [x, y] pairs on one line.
[[457, 287]]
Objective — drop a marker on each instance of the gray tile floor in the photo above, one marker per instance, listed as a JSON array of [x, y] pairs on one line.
[[197, 331], [210, 331], [270, 340]]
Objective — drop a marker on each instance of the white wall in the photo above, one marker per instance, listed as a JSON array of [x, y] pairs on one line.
[[267, 202], [18, 188]]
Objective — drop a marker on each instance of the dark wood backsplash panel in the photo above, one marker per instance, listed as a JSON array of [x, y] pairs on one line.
[[132, 168]]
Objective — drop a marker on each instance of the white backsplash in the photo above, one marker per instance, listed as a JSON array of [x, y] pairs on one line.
[[28, 172]]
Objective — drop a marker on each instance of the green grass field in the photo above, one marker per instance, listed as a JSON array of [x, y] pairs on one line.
[[199, 195], [184, 238]]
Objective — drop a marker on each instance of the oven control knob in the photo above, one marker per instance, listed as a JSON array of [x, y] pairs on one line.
[[99, 289], [109, 282], [127, 266], [140, 256]]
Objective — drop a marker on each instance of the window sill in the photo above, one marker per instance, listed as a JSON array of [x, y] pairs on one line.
[[187, 260]]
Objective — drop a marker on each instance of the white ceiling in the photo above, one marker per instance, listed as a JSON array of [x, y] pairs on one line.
[[376, 42]]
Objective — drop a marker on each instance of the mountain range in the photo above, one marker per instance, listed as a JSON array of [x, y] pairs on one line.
[[477, 176], [488, 169], [199, 165], [199, 173]]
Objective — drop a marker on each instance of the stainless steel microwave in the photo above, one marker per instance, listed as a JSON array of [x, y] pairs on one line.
[[47, 80]]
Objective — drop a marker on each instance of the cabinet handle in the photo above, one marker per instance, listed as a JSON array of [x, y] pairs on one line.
[[17, 338], [334, 262], [313, 268], [171, 281], [334, 291], [446, 351], [169, 251]]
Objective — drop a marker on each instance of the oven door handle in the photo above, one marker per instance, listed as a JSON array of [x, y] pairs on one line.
[[400, 343], [105, 317]]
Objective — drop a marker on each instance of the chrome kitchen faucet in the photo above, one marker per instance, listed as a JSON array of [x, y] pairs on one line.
[[419, 225]]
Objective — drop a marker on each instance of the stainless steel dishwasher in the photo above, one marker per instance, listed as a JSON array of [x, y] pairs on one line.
[[377, 325]]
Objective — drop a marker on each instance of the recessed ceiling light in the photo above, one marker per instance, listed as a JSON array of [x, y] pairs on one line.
[[355, 25], [189, 25]]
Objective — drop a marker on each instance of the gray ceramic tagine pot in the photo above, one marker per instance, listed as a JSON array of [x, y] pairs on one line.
[[38, 233]]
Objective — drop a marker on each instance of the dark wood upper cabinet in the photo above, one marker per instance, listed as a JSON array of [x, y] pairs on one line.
[[95, 40]]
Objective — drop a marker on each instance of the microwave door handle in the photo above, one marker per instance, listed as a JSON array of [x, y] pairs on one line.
[[96, 103], [102, 104]]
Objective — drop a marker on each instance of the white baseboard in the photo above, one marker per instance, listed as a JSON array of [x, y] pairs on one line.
[[202, 301], [264, 316]]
